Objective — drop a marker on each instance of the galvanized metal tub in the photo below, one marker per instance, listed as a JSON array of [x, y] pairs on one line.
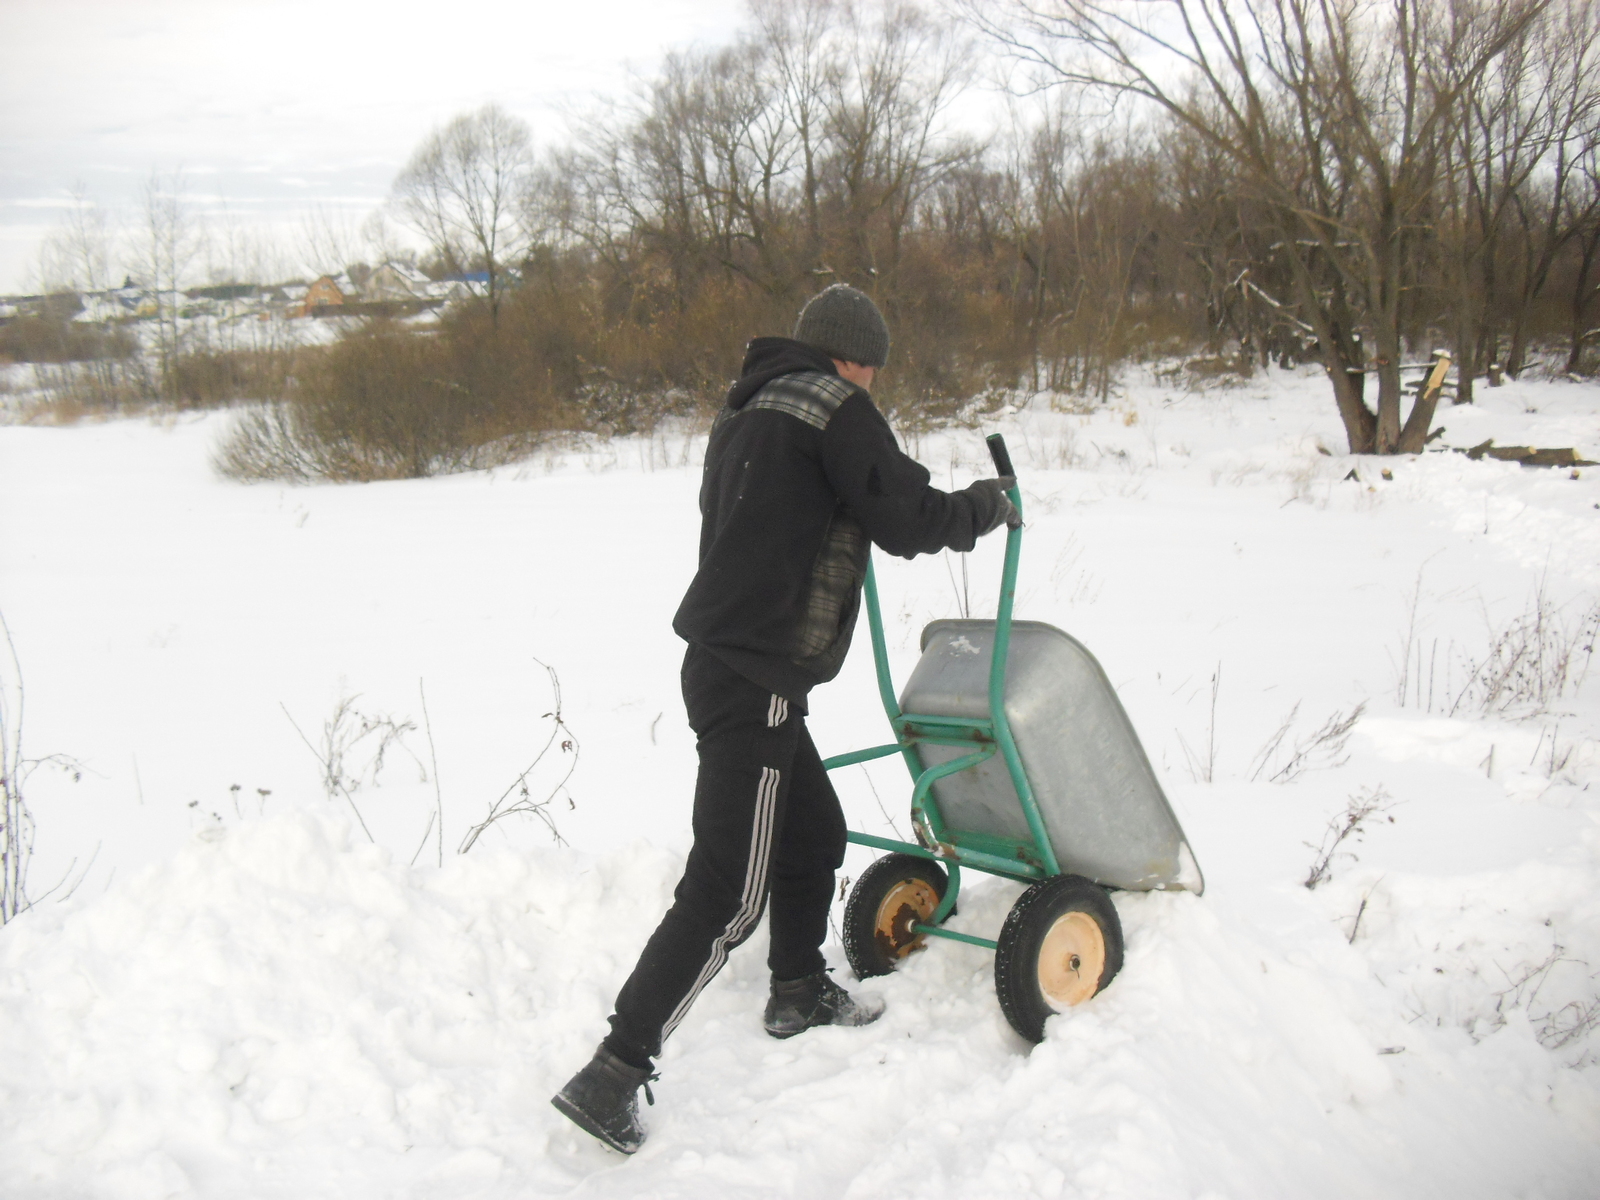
[[1101, 803]]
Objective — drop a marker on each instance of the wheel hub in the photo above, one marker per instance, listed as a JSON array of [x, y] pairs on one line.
[[905, 904], [1072, 958]]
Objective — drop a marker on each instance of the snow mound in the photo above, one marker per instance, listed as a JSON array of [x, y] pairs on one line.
[[280, 1010]]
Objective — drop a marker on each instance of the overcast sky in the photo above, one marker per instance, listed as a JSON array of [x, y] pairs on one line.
[[274, 105]]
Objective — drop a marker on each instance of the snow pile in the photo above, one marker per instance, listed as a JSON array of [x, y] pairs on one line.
[[282, 1011], [278, 1006], [1480, 953]]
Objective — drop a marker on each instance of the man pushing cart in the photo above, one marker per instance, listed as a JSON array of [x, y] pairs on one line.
[[802, 476]]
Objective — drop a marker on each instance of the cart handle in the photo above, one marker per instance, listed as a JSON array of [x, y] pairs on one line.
[[997, 689], [1000, 455], [998, 660]]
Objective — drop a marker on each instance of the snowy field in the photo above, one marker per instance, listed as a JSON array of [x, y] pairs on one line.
[[237, 991]]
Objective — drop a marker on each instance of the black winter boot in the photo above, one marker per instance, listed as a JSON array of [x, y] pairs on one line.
[[603, 1099], [798, 1004]]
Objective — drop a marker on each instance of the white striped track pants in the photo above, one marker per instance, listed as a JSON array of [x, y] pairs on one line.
[[766, 824]]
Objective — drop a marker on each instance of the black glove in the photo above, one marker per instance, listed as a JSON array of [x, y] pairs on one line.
[[992, 506]]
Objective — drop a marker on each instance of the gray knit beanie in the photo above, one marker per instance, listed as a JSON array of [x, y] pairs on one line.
[[844, 324]]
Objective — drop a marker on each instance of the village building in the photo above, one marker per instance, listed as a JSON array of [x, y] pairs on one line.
[[323, 294], [396, 282]]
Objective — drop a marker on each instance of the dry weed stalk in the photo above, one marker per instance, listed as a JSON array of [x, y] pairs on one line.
[[1555, 1028], [1565, 1025], [1323, 748], [16, 820], [341, 734], [1270, 747], [1532, 661], [437, 818], [1204, 770], [1361, 808], [524, 802]]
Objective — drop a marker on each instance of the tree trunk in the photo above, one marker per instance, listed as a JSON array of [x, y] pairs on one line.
[[1346, 376], [1582, 293], [1387, 439], [1414, 437], [1349, 388], [1466, 358]]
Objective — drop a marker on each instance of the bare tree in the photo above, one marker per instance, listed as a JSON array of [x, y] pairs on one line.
[[1512, 159], [462, 191], [1082, 210], [1550, 214], [887, 146], [1582, 219], [1331, 116], [332, 240], [803, 150], [796, 31], [329, 240], [167, 241], [76, 255]]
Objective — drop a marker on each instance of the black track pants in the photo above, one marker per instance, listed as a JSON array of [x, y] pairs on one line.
[[766, 822]]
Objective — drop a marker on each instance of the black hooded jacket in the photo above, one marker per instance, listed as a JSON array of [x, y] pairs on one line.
[[801, 473]]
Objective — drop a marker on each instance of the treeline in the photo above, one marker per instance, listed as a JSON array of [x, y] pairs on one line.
[[1255, 180]]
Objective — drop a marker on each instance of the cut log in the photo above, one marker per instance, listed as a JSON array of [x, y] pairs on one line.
[[1528, 456]]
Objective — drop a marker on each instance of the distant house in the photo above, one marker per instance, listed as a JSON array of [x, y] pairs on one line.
[[463, 284], [104, 306], [395, 281], [322, 295]]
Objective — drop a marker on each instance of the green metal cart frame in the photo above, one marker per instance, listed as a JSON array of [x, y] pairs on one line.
[[1024, 860]]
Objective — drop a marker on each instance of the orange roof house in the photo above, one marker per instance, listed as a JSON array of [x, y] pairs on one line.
[[323, 294]]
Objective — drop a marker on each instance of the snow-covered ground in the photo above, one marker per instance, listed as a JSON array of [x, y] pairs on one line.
[[243, 995]]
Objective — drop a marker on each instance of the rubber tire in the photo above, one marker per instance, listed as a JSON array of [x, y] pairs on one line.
[[861, 946], [1016, 957]]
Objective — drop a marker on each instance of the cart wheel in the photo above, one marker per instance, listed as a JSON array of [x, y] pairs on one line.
[[1061, 944], [892, 894]]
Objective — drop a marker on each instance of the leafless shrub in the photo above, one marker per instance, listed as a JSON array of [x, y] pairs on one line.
[[52, 336], [1556, 760], [1532, 661], [387, 402], [271, 442], [1366, 805], [1567, 1024], [214, 377], [518, 798], [72, 390], [1555, 1028], [201, 377], [1217, 370], [343, 774]]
